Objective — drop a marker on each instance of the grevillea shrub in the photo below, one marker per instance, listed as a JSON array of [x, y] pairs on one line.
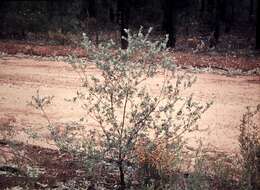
[[128, 110]]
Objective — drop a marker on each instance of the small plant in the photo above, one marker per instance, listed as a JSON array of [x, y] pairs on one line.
[[128, 110], [7, 129], [33, 172], [249, 140]]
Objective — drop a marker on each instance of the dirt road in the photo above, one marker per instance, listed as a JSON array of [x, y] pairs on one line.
[[21, 77]]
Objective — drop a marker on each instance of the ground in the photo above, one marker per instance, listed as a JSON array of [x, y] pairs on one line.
[[21, 76]]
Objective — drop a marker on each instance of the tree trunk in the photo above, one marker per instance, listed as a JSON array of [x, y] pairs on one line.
[[89, 9], [216, 24], [122, 176], [251, 10], [232, 12], [62, 7], [258, 25], [202, 8], [2, 17], [50, 10], [123, 12], [92, 8], [111, 15], [210, 6], [84, 10], [169, 8], [224, 14]]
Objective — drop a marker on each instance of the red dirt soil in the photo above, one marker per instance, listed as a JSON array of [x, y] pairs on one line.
[[226, 62], [57, 167]]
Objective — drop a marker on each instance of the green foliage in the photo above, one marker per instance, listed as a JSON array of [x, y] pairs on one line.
[[127, 110], [140, 128]]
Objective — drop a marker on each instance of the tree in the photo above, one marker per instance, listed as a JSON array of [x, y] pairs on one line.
[[202, 8], [123, 12], [251, 10], [88, 9], [50, 10], [258, 26], [224, 15], [2, 15], [169, 20], [215, 6]]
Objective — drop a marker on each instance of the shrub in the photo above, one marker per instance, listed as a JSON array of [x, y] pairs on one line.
[[249, 140], [127, 110]]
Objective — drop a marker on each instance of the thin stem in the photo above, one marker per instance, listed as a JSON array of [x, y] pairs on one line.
[[46, 116], [124, 113]]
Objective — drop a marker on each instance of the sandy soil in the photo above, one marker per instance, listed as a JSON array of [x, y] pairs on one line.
[[21, 77]]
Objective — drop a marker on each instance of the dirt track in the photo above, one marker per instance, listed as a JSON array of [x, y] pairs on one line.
[[21, 77]]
